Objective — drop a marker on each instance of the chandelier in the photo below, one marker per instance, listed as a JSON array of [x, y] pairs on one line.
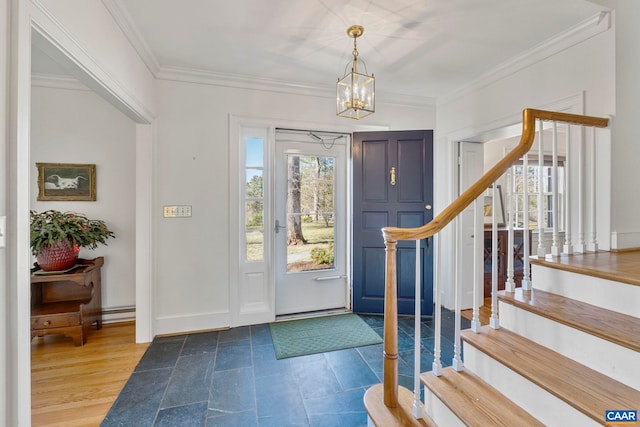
[[355, 92]]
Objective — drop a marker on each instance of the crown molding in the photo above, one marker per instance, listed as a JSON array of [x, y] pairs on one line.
[[118, 11], [240, 81], [56, 81], [126, 24], [586, 29], [130, 30]]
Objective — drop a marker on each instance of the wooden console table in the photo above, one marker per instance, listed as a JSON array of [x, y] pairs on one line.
[[67, 303]]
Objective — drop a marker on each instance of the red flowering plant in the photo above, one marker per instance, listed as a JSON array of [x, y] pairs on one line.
[[73, 229]]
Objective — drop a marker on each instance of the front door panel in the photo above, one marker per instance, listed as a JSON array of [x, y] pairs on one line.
[[392, 186]]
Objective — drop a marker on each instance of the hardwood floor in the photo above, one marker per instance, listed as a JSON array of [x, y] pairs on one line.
[[485, 312], [76, 386]]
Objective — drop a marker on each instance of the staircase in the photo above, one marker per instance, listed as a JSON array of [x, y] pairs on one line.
[[558, 360], [554, 361], [560, 351]]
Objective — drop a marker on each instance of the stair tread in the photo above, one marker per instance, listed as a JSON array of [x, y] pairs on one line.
[[475, 402], [617, 266], [401, 416], [617, 328], [583, 388]]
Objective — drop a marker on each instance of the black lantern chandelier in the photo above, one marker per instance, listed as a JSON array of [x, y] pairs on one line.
[[355, 92]]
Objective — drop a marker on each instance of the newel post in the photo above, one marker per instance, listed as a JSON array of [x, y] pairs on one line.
[[390, 367]]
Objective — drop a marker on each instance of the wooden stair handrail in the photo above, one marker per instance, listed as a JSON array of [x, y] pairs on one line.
[[529, 117], [393, 234]]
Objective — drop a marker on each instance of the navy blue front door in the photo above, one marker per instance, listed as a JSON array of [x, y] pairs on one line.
[[392, 186]]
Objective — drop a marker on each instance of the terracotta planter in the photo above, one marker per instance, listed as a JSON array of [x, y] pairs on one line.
[[58, 256]]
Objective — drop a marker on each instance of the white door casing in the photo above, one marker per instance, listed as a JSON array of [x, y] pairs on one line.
[[470, 168]]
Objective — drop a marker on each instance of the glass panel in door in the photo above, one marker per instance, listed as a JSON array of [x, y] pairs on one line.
[[310, 200]]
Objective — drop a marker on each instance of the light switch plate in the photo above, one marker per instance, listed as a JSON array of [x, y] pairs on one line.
[[176, 211]]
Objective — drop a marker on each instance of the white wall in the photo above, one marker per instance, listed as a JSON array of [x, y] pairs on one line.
[[77, 126], [192, 277], [588, 67], [626, 150]]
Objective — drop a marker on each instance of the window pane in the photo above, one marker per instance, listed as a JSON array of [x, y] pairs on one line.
[[310, 198], [254, 214], [255, 245], [532, 182], [254, 148], [254, 187]]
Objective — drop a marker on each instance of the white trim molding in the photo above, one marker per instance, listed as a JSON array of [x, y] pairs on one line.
[[197, 322], [628, 240], [190, 75], [131, 32], [145, 138], [57, 42], [57, 82], [588, 28]]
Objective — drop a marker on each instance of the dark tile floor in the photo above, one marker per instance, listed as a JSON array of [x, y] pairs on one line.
[[232, 378]]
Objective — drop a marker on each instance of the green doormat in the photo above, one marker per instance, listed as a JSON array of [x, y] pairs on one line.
[[320, 334]]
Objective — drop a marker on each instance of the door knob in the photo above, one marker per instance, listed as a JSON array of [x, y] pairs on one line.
[[392, 176], [428, 207], [278, 226]]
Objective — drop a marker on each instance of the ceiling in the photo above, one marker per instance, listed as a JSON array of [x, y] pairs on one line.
[[423, 48]]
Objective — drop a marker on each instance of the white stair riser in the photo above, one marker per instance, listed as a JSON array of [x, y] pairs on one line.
[[439, 412], [617, 362], [547, 408], [614, 296]]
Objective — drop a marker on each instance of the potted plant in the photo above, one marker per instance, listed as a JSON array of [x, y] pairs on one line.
[[56, 237]]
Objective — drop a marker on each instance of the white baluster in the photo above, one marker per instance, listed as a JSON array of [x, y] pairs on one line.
[[580, 246], [593, 243], [417, 407], [568, 245], [478, 255], [555, 244], [493, 320], [541, 251], [456, 363], [436, 368], [510, 284], [526, 236]]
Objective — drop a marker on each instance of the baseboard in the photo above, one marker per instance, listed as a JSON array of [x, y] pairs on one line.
[[169, 325], [624, 241]]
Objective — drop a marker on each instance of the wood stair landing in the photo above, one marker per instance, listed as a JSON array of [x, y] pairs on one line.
[[586, 390], [623, 266], [620, 329], [475, 402]]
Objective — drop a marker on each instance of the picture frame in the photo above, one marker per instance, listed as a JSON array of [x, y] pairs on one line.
[[488, 207], [66, 182]]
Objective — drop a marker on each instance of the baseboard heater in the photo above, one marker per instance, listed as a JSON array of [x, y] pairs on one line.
[[118, 314]]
